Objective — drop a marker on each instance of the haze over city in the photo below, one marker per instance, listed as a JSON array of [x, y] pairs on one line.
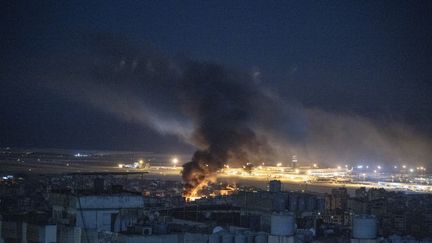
[[346, 81], [203, 103]]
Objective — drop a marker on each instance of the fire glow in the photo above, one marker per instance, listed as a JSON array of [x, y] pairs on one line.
[[195, 193], [210, 189]]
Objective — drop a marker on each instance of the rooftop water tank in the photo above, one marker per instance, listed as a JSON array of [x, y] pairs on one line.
[[282, 224], [261, 238], [275, 186], [364, 227], [250, 238], [240, 238], [215, 238], [279, 202], [217, 229], [227, 237]]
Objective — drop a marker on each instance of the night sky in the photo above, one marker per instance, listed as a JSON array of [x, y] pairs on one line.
[[365, 59]]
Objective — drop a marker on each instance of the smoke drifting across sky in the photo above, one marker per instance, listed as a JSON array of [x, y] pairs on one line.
[[229, 115]]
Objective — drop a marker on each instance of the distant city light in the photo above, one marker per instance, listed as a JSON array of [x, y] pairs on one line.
[[315, 165], [359, 166], [80, 155], [279, 164], [379, 167], [411, 170], [404, 166], [174, 160], [339, 167]]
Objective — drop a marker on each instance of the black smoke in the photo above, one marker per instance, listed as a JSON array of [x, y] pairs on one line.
[[228, 115], [222, 104]]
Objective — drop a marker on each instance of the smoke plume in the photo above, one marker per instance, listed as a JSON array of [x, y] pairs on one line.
[[221, 104], [230, 116]]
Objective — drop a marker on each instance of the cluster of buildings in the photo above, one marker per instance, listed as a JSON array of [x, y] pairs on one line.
[[128, 208], [397, 213]]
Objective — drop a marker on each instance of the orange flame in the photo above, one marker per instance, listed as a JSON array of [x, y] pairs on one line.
[[195, 193]]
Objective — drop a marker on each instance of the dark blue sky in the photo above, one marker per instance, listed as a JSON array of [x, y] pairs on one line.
[[368, 58]]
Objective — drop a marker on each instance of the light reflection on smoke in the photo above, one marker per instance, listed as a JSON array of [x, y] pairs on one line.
[[226, 114]]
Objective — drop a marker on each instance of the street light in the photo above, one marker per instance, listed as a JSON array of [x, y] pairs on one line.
[[174, 161]]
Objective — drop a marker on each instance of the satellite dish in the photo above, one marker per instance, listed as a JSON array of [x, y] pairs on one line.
[[217, 229]]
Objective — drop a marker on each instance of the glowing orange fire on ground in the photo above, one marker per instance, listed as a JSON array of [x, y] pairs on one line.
[[197, 192]]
